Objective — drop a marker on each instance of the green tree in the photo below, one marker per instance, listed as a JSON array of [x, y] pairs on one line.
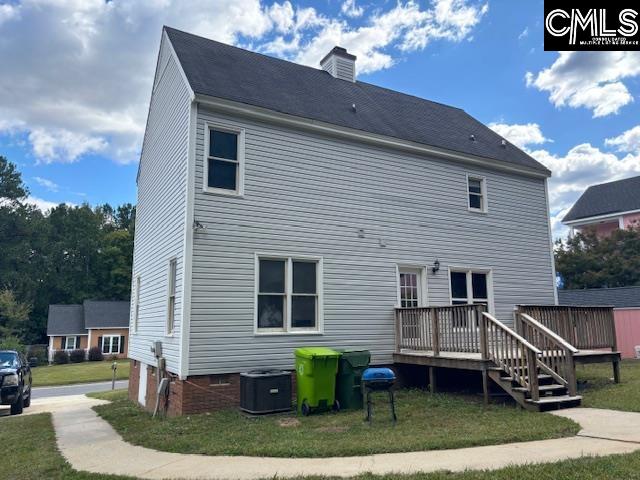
[[589, 261], [14, 316]]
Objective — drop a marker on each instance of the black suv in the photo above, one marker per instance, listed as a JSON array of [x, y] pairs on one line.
[[15, 381]]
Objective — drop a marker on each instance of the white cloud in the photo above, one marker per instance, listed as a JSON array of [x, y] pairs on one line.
[[524, 33], [591, 80], [629, 141], [46, 183], [63, 145], [77, 74], [582, 166], [350, 9], [521, 135], [44, 205]]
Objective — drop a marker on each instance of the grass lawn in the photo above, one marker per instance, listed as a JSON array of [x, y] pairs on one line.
[[425, 422], [601, 392], [29, 451], [84, 372]]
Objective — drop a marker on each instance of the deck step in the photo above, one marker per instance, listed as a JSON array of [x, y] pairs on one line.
[[540, 377], [543, 388], [554, 400]]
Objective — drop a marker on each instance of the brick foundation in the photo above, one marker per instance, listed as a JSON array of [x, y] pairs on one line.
[[196, 394]]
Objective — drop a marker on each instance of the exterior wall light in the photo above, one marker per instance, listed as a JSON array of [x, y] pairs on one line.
[[436, 266]]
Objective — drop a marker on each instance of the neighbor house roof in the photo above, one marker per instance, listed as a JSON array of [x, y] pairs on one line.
[[618, 297], [77, 319], [66, 320], [221, 71], [101, 314], [607, 198]]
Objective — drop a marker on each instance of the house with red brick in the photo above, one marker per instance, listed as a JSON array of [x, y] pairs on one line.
[[606, 207]]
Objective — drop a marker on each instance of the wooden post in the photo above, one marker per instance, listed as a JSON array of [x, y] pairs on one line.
[[484, 348], [485, 386], [616, 371], [572, 379], [432, 379], [532, 372], [614, 342], [398, 330], [435, 340]]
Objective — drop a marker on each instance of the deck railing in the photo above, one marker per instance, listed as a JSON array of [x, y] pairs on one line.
[[582, 327], [512, 353], [440, 329], [557, 357]]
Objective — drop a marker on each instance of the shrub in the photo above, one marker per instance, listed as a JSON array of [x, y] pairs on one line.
[[76, 356], [38, 353], [11, 343], [95, 354], [60, 357]]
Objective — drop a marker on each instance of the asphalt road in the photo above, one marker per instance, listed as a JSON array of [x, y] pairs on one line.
[[79, 389]]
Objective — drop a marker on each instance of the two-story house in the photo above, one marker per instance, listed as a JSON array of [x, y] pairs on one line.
[[282, 206], [606, 207]]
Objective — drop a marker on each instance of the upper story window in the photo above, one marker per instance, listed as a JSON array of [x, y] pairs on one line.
[[288, 294], [224, 163], [477, 193], [469, 286], [171, 301]]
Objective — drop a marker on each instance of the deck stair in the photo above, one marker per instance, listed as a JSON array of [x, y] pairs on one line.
[[534, 362]]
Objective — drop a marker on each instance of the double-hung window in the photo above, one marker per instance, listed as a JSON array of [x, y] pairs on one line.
[[469, 286], [70, 343], [477, 193], [171, 300], [111, 344], [288, 294], [224, 162]]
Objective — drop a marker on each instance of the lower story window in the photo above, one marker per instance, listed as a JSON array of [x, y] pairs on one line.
[[469, 286], [70, 343], [111, 344], [288, 294]]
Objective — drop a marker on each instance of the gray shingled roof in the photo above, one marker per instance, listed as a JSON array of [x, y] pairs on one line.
[[218, 70], [106, 314], [618, 297], [66, 320], [607, 198]]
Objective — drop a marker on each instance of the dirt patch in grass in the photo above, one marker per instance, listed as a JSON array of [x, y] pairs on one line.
[[598, 389]]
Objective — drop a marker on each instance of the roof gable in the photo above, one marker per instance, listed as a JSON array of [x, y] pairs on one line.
[[607, 198], [222, 71], [106, 314], [66, 320]]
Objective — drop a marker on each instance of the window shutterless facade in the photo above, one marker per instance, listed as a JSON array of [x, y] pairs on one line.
[[171, 300], [288, 294], [224, 160], [477, 193], [470, 286]]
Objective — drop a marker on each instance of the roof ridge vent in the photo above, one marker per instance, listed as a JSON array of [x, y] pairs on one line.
[[340, 64]]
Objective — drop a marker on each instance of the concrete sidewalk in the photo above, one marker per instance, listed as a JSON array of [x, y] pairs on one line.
[[89, 443]]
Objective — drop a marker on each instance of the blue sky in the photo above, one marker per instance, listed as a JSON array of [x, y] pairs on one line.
[[77, 77]]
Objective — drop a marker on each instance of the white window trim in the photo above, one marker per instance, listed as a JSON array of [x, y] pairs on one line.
[[287, 329], [483, 190], [136, 303], [66, 342], [110, 337], [169, 332], [239, 192], [423, 290], [464, 269]]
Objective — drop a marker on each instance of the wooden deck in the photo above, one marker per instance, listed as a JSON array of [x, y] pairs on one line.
[[528, 362]]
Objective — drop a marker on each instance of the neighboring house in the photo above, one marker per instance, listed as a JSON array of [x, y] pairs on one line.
[[606, 207], [281, 206], [626, 301], [103, 324]]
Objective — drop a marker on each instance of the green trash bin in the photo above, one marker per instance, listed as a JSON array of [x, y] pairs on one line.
[[316, 369], [351, 365]]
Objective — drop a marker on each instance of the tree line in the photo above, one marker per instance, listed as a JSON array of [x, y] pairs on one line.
[[66, 255]]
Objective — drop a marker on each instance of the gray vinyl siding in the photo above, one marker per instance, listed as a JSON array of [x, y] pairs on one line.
[[160, 219], [309, 195]]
